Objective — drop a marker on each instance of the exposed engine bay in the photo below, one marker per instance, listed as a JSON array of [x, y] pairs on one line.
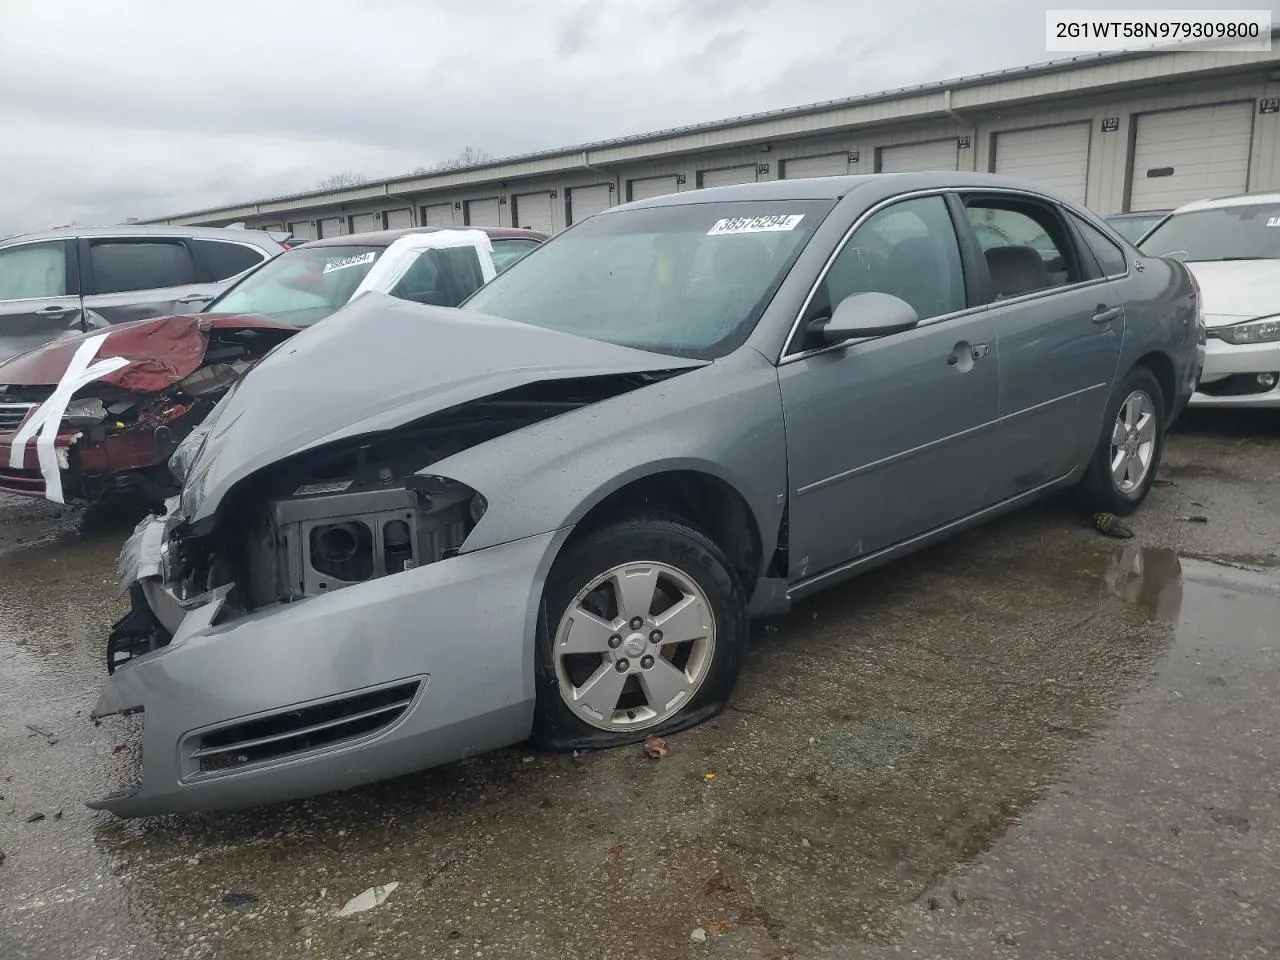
[[338, 516]]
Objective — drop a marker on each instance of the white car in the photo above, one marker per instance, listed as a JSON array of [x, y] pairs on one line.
[[1232, 247]]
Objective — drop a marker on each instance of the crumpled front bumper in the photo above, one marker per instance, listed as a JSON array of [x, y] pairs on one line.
[[460, 632]]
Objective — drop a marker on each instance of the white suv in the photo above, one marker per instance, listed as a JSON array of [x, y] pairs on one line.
[[1232, 247]]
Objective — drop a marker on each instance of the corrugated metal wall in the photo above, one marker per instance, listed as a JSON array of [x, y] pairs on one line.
[[975, 124]]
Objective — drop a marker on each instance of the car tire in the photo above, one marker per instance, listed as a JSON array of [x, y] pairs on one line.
[[1106, 487], [585, 638]]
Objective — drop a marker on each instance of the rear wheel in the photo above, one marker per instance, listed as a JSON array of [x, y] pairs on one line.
[[643, 631], [1129, 451]]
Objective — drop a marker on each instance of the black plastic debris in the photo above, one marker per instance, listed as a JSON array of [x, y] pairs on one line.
[[237, 900]]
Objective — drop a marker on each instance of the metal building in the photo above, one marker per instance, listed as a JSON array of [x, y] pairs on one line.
[[1127, 131]]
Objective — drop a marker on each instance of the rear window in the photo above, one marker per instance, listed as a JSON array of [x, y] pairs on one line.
[[301, 286], [1245, 232], [224, 260], [120, 266]]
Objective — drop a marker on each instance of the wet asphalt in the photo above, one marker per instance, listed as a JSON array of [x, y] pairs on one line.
[[1031, 741]]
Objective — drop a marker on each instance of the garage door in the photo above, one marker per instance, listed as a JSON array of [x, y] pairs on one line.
[[728, 176], [831, 165], [1192, 154], [366, 222], [399, 219], [651, 187], [437, 215], [1056, 158], [914, 157], [533, 212], [330, 227], [483, 213], [587, 201], [302, 229]]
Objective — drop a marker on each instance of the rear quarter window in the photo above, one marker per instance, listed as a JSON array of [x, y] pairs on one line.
[[222, 259]]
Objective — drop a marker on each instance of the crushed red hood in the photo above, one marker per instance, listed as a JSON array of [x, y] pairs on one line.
[[161, 351]]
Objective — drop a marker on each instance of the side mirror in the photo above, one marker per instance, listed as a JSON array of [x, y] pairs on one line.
[[864, 315]]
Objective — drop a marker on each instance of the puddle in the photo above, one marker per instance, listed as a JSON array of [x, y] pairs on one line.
[[1162, 830], [1149, 578]]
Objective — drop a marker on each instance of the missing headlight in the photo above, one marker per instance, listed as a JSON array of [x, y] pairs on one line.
[[317, 540]]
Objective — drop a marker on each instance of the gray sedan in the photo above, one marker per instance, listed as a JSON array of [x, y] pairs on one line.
[[549, 515]]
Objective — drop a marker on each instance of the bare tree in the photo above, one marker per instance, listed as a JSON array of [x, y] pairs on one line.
[[336, 181], [467, 157]]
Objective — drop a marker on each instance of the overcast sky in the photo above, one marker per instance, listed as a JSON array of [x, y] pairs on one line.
[[119, 108]]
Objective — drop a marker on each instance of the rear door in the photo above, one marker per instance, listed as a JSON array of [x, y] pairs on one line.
[[133, 278], [890, 437], [39, 294], [1058, 324]]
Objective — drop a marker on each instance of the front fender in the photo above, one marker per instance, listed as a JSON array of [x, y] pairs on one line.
[[724, 419]]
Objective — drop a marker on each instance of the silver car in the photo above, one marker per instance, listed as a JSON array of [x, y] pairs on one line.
[[550, 514], [74, 279]]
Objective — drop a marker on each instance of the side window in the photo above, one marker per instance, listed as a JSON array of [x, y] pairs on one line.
[[124, 265], [507, 252], [909, 250], [1025, 245], [34, 271], [1105, 250], [442, 278], [224, 260]]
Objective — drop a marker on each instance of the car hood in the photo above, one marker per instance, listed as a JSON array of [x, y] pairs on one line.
[[1235, 290], [377, 364], [160, 350]]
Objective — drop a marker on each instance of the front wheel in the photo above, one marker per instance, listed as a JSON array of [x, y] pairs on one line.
[[1128, 455], [643, 631]]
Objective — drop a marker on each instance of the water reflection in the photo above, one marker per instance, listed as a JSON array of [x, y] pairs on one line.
[[1148, 577]]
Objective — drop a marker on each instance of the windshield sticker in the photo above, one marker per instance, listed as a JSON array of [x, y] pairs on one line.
[[731, 225], [357, 260], [1273, 221]]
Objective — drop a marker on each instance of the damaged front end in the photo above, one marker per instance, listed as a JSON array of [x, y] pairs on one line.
[[329, 603], [111, 437]]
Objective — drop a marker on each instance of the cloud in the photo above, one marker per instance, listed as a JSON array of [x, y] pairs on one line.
[[147, 107]]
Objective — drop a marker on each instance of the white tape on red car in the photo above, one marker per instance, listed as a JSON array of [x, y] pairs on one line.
[[44, 420]]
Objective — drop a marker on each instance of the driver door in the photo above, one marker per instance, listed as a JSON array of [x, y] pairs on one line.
[[890, 437]]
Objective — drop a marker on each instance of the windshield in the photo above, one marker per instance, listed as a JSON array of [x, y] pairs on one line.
[[689, 280], [302, 286], [1246, 232]]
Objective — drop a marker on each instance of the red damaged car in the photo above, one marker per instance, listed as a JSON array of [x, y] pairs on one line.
[[98, 415]]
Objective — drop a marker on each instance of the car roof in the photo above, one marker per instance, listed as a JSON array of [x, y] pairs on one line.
[[832, 188], [383, 238], [1239, 200], [143, 230], [1135, 214]]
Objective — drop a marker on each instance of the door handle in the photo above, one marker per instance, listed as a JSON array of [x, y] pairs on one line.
[[196, 298], [54, 310], [1106, 314]]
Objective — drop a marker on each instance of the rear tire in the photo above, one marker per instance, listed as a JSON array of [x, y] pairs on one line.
[[643, 631], [1129, 452]]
